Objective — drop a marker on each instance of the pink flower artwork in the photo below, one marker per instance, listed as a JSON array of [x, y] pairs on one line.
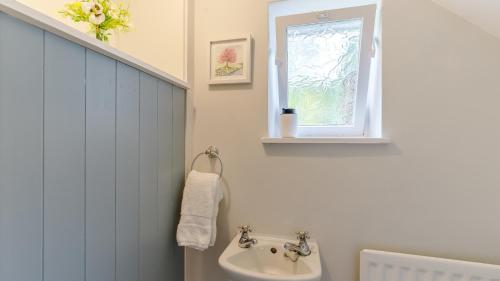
[[230, 61], [227, 56]]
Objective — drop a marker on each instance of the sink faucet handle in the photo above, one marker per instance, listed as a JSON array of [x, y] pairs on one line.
[[245, 241], [303, 235], [245, 228]]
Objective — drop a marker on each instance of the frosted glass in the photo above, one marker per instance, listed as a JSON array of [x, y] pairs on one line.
[[323, 66]]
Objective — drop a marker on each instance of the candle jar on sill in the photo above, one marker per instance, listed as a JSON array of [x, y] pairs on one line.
[[288, 123]]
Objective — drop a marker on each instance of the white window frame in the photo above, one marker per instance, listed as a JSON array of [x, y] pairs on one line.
[[367, 14]]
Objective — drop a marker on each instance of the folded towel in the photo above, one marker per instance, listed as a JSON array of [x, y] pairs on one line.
[[200, 205]]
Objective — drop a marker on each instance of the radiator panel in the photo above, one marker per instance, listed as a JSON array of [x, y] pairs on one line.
[[387, 266]]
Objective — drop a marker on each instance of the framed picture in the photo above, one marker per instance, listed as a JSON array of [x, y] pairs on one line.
[[231, 61]]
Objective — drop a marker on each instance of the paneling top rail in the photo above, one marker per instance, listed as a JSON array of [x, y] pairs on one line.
[[49, 24]]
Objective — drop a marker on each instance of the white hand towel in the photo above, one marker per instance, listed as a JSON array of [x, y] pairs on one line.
[[200, 205]]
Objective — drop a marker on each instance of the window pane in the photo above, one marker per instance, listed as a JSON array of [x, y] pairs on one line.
[[323, 65]]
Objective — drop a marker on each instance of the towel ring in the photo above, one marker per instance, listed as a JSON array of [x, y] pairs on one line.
[[212, 152]]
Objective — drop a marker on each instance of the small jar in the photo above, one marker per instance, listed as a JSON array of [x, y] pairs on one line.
[[288, 123]]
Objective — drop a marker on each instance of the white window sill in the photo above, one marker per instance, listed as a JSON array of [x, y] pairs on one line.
[[325, 140]]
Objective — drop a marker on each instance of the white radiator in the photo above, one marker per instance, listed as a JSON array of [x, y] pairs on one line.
[[387, 266]]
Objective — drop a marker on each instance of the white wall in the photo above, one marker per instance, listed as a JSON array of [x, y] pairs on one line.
[[434, 190], [158, 36], [483, 13]]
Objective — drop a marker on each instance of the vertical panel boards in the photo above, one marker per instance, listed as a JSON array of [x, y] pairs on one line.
[[179, 124], [127, 174], [167, 211], [149, 262], [91, 164], [178, 168], [21, 150], [100, 167], [64, 160]]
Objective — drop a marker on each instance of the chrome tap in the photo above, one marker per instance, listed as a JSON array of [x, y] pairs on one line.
[[302, 249], [245, 240]]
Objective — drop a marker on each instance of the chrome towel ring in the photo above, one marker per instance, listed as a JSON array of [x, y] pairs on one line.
[[212, 152]]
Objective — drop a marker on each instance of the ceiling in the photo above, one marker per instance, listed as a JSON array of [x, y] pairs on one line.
[[483, 13]]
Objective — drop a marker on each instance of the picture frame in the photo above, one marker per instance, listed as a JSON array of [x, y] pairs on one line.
[[231, 60]]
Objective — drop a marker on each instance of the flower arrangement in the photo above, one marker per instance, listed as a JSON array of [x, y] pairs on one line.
[[103, 16]]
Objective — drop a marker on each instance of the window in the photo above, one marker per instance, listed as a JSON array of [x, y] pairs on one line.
[[323, 67]]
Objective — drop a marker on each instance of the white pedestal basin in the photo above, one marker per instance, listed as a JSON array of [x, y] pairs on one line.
[[259, 263]]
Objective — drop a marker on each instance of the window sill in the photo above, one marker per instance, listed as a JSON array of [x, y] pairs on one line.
[[325, 140]]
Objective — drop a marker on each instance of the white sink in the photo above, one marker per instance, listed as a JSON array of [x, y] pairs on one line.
[[258, 263]]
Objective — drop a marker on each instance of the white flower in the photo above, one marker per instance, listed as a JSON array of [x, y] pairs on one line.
[[97, 19], [87, 7], [96, 8]]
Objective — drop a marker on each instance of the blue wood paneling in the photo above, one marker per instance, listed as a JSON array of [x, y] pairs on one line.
[[100, 167], [127, 174], [165, 196], [179, 127], [178, 171], [21, 150], [64, 160], [149, 262], [91, 166]]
